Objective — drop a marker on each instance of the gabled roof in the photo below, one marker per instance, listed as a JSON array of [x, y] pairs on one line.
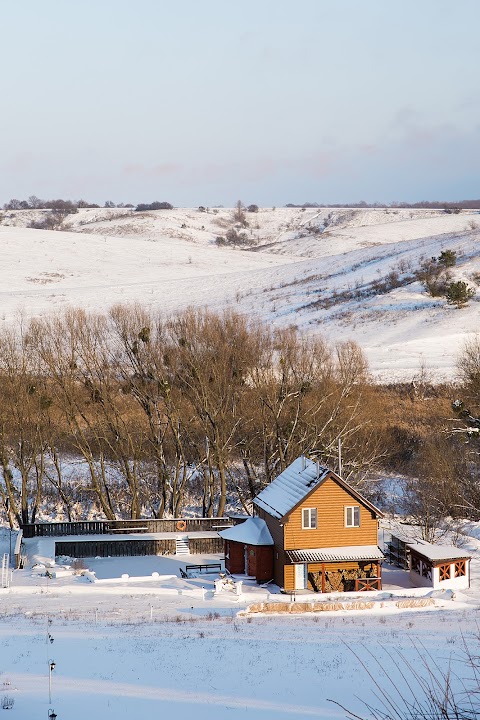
[[438, 552], [336, 554], [253, 531], [295, 484]]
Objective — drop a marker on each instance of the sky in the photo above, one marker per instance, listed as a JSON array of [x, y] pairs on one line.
[[267, 101]]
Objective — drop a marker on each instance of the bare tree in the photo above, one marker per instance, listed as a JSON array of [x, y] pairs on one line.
[[23, 418]]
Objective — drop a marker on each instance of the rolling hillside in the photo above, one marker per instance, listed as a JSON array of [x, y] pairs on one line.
[[343, 273]]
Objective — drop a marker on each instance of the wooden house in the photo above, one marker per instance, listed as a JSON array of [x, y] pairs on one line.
[[439, 566], [249, 549], [325, 532]]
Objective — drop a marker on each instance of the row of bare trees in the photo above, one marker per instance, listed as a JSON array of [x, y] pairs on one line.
[[128, 413]]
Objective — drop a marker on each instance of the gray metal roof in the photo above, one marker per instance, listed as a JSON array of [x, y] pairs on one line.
[[290, 487], [296, 482], [336, 554]]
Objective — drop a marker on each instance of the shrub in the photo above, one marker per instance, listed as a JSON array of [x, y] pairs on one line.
[[142, 207], [451, 210], [239, 214], [433, 276], [252, 208], [448, 258], [437, 286], [51, 221], [234, 237], [459, 293], [61, 206]]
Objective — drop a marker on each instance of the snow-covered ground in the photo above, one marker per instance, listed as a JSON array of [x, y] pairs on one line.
[[314, 269], [170, 647]]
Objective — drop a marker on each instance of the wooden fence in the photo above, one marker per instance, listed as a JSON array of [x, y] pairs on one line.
[[115, 548], [105, 527], [197, 546]]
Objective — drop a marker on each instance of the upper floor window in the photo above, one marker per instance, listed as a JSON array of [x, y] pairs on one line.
[[352, 516], [309, 518]]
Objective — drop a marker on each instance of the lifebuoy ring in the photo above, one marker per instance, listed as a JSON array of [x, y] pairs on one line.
[[181, 525]]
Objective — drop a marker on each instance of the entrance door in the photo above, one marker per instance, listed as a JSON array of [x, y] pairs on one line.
[[300, 577], [245, 559]]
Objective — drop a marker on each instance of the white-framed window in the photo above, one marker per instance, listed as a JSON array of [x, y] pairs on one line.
[[352, 516], [309, 518]]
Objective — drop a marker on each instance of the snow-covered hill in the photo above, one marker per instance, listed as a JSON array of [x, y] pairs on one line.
[[345, 273]]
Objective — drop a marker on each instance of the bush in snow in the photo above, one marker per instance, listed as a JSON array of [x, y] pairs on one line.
[[448, 258], [154, 206], [459, 293]]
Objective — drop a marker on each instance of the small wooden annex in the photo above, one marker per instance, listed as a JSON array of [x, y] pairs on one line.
[[249, 549], [325, 533], [439, 566]]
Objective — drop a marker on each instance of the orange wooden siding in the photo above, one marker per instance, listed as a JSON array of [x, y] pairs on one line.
[[289, 577], [330, 500]]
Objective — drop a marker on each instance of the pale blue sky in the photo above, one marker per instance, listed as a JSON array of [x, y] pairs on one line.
[[269, 101]]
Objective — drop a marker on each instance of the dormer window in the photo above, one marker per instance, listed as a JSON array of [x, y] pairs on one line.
[[352, 516], [309, 518]]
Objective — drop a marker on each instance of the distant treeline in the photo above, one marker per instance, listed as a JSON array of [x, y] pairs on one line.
[[35, 203], [72, 206], [428, 204]]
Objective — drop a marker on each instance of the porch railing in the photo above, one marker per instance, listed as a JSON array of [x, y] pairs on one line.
[[365, 584], [127, 527]]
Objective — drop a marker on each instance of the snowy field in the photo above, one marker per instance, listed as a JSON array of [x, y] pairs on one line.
[[172, 649], [314, 269]]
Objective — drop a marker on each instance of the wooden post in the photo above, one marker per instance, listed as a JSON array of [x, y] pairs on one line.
[[323, 577], [379, 573]]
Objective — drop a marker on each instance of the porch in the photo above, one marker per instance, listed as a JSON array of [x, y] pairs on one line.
[[325, 570]]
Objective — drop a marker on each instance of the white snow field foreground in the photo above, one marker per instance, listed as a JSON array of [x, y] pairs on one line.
[[165, 648], [318, 270]]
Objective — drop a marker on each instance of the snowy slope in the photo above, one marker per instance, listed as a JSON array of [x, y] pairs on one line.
[[316, 269]]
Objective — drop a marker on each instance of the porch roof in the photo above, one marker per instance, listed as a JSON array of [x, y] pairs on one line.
[[336, 554]]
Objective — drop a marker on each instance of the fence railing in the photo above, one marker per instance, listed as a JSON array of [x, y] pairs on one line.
[[373, 583], [127, 527]]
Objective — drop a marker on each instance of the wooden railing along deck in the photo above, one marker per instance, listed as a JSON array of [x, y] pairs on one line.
[[106, 527]]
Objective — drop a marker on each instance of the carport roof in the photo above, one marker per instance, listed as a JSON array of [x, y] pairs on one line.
[[438, 553], [336, 554]]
